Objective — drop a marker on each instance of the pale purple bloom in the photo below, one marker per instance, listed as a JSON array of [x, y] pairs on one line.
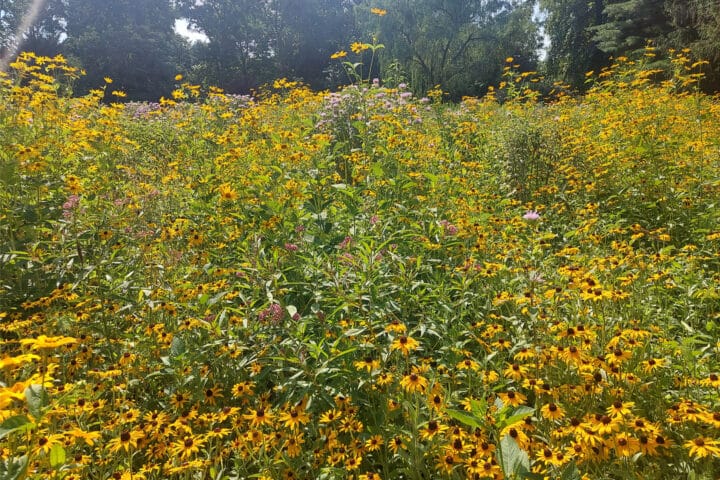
[[531, 215]]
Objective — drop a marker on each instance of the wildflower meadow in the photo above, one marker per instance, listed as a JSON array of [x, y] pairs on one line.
[[360, 284]]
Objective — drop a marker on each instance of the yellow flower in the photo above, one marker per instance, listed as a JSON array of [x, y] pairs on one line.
[[432, 428], [369, 476], [128, 439], [45, 443], [178, 77], [414, 383], [340, 54], [258, 417], [374, 443], [43, 341], [294, 417], [243, 389], [404, 344], [293, 445], [108, 80], [187, 447], [512, 398], [368, 363], [552, 412], [702, 447], [358, 47], [378, 11]]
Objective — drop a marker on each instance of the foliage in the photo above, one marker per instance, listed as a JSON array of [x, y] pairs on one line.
[[352, 285], [129, 41], [572, 51], [459, 45], [629, 25]]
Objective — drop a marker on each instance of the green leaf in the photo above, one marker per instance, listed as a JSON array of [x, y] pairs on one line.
[[571, 472], [177, 347], [57, 455], [37, 398], [13, 468], [464, 418], [519, 414], [13, 424], [514, 459]]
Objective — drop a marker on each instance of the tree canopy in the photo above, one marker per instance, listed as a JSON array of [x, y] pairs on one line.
[[459, 45]]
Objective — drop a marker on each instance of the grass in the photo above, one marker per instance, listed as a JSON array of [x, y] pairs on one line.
[[360, 284]]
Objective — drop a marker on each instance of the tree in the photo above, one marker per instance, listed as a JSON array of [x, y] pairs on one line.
[[42, 36], [629, 25], [130, 41], [696, 25], [573, 51], [304, 35], [458, 44], [238, 54]]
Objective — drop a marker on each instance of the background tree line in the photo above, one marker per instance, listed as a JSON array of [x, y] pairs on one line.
[[460, 45]]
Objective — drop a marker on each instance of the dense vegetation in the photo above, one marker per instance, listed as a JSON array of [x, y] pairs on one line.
[[456, 44], [361, 284]]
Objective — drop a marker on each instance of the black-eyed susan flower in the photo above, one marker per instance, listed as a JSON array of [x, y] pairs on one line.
[[552, 411], [243, 389], [620, 409], [405, 344], [188, 446], [368, 363], [294, 417], [702, 447], [625, 445], [330, 416], [259, 417], [414, 382], [227, 193], [432, 428], [127, 440], [512, 398], [374, 443], [212, 394]]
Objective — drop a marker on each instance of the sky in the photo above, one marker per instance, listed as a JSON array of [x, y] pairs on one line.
[[181, 28]]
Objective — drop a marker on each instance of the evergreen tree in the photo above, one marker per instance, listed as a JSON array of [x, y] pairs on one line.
[[629, 25], [696, 25]]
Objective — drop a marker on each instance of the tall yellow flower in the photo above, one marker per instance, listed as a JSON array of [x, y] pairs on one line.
[[414, 383], [128, 439], [227, 193], [404, 344], [702, 447]]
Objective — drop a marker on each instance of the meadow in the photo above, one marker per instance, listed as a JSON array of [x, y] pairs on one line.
[[360, 284]]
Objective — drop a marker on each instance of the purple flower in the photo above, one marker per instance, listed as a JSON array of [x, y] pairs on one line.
[[345, 243], [72, 202], [272, 314], [531, 215]]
